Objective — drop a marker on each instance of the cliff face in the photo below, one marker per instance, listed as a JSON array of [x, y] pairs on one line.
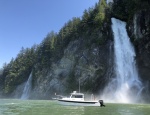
[[87, 64], [139, 31]]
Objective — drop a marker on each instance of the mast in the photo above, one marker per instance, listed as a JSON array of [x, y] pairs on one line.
[[79, 85]]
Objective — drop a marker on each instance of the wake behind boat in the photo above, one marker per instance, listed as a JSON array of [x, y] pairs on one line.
[[77, 98]]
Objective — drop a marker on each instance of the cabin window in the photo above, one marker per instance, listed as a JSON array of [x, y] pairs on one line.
[[77, 96]]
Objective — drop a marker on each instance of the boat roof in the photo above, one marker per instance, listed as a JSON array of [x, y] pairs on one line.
[[75, 93]]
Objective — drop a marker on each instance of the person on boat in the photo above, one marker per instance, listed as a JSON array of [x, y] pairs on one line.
[[101, 103]]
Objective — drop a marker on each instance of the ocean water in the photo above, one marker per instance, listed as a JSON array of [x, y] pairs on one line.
[[48, 107]]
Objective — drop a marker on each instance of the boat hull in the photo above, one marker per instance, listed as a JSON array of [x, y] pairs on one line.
[[83, 103]]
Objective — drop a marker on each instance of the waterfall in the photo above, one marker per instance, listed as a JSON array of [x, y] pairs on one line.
[[108, 1], [27, 88], [125, 86]]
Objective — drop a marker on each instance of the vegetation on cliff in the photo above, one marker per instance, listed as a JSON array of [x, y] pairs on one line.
[[128, 10], [125, 9]]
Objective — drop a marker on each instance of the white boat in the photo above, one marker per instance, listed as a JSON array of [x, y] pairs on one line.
[[77, 98]]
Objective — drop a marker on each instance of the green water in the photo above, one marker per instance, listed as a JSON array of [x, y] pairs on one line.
[[46, 107]]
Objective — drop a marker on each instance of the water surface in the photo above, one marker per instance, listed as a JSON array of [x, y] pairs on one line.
[[47, 107]]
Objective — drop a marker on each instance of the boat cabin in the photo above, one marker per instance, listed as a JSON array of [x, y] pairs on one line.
[[76, 96]]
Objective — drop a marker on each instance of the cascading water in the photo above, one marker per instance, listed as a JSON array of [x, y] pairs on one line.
[[125, 86], [27, 88], [108, 1]]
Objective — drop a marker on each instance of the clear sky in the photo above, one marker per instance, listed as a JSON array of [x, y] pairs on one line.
[[24, 23]]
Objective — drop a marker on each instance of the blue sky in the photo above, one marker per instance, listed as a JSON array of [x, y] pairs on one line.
[[24, 23]]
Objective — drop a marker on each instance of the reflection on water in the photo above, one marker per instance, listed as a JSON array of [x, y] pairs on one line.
[[133, 109], [40, 107], [129, 110]]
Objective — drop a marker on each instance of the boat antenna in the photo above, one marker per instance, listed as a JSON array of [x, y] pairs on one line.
[[79, 85]]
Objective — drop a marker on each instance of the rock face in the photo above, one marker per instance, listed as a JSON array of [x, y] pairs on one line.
[[79, 62], [139, 31]]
